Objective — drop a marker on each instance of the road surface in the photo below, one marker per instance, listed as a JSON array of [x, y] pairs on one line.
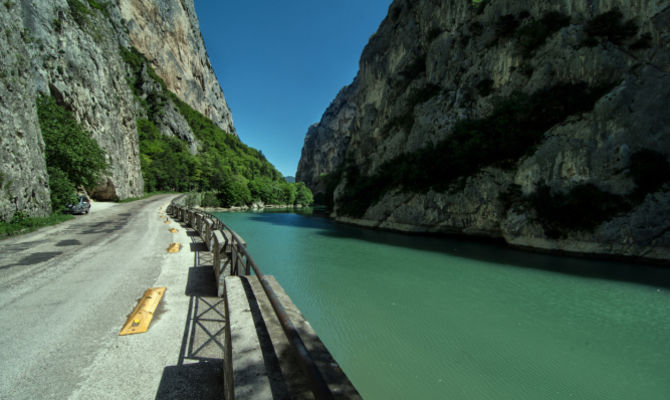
[[66, 291]]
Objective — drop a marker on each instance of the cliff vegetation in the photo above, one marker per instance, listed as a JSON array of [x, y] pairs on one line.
[[218, 163]]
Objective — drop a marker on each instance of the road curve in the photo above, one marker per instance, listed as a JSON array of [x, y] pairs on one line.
[[65, 292]]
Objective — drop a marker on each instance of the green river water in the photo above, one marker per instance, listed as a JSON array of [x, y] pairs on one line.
[[410, 317]]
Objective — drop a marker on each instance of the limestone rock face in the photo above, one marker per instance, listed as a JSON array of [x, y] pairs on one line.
[[167, 32], [326, 142], [432, 64], [70, 50], [24, 185]]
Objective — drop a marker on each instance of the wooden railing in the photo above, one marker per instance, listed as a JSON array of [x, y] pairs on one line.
[[230, 250]]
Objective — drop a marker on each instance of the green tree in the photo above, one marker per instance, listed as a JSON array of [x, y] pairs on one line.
[[303, 194], [234, 192], [62, 190], [73, 158]]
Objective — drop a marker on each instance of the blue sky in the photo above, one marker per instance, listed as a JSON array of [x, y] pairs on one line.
[[281, 63]]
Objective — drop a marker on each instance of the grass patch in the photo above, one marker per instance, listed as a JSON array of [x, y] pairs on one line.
[[20, 223]]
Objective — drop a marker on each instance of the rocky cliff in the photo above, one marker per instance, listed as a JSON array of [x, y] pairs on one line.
[[168, 34], [543, 123], [73, 51]]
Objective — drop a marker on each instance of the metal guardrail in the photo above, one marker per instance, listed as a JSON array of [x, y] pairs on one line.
[[222, 240]]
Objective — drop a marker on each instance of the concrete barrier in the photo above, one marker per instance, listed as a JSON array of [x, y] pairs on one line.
[[254, 331], [221, 260], [245, 374], [208, 233]]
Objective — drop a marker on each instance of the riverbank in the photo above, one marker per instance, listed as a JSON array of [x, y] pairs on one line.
[[573, 246], [253, 207]]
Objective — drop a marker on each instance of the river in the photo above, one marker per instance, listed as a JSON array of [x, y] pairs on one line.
[[434, 318]]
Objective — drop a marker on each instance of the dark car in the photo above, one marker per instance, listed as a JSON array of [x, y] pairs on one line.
[[82, 207]]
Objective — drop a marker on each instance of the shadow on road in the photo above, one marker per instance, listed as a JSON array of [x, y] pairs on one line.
[[34, 259], [199, 371]]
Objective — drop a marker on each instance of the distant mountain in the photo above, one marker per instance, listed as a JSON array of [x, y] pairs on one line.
[[289, 179]]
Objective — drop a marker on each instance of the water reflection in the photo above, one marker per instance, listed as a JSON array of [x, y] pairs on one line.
[[482, 250], [432, 317]]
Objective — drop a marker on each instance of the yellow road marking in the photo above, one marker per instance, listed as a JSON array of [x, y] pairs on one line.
[[174, 247], [140, 319]]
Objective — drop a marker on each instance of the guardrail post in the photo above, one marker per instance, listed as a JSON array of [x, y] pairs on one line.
[[233, 253], [222, 238], [207, 227], [219, 250]]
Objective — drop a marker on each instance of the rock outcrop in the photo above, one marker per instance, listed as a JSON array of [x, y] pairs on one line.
[[598, 71], [23, 178], [168, 34], [71, 50]]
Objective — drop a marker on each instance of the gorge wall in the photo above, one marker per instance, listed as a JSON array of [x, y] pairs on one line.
[[73, 51], [168, 34], [543, 123]]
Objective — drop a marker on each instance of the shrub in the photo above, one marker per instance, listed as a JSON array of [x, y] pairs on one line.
[[506, 25], [102, 7], [582, 208], [480, 5], [649, 170], [514, 128], [434, 33], [234, 192], [643, 42], [62, 190], [303, 195], [586, 206], [191, 200], [79, 12], [485, 87], [330, 182], [70, 152], [609, 26], [476, 28], [534, 34], [210, 199]]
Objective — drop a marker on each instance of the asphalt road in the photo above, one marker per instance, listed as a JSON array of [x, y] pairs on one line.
[[66, 291]]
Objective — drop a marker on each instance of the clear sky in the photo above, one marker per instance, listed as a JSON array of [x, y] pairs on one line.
[[281, 63]]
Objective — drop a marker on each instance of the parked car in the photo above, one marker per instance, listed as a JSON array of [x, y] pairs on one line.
[[82, 207]]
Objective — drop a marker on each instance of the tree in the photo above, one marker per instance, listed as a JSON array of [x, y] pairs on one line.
[[303, 194], [73, 158]]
